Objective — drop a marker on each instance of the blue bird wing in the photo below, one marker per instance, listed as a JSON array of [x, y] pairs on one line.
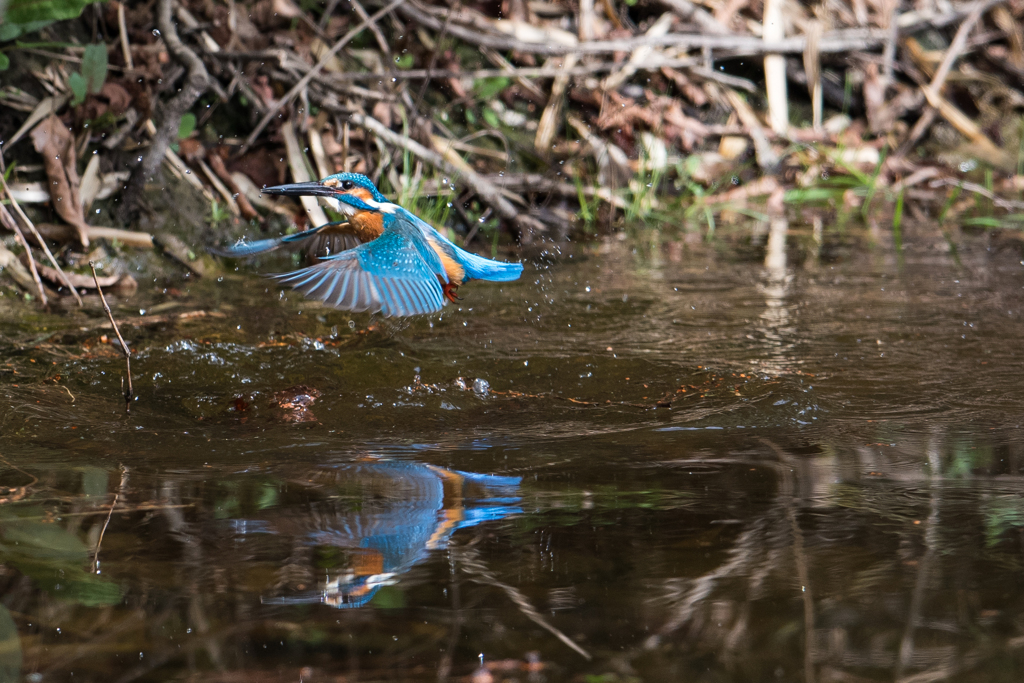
[[393, 274], [334, 242], [477, 267]]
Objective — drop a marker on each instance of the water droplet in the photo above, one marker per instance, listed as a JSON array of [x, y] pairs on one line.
[[188, 171], [156, 32]]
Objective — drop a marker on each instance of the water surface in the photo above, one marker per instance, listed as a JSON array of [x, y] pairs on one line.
[[645, 461]]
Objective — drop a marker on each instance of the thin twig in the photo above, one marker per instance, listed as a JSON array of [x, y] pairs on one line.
[[196, 83], [1008, 204], [122, 28], [833, 41], [31, 260], [304, 81], [933, 90], [42, 242], [488, 192], [335, 79], [456, 6], [124, 347], [99, 542], [687, 11]]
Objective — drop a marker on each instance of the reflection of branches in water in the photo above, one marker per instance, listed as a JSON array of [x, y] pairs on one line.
[[192, 553], [805, 588], [776, 542], [444, 667], [931, 533], [10, 494], [742, 555], [469, 560], [776, 326], [120, 490]]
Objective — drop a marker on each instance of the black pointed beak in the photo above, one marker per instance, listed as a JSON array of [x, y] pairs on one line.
[[313, 189]]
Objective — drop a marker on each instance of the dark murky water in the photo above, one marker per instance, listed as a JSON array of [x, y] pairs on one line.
[[677, 465]]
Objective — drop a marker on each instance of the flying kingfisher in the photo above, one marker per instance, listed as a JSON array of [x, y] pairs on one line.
[[392, 262]]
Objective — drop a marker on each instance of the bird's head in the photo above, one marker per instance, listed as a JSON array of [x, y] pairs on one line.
[[354, 192]]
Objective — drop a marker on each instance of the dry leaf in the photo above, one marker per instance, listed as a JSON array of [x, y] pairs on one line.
[[55, 142]]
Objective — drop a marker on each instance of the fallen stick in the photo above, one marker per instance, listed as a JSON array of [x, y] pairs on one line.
[[42, 242], [536, 182], [124, 347], [11, 265], [304, 81], [1008, 204], [773, 28], [129, 238], [766, 157], [764, 185], [28, 250], [151, 320], [488, 192], [297, 164], [687, 11], [196, 83], [933, 90], [82, 281], [641, 56], [126, 50], [834, 41], [334, 79], [551, 116], [723, 78]]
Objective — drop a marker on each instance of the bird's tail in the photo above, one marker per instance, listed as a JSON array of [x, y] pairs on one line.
[[478, 268]]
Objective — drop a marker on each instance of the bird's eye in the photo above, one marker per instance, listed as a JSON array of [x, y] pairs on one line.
[[347, 184]]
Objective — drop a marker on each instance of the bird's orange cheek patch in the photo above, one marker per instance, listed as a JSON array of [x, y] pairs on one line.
[[360, 193]]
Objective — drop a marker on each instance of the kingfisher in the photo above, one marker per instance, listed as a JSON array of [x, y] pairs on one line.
[[391, 261]]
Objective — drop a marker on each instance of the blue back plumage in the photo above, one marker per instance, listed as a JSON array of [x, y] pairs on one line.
[[477, 267]]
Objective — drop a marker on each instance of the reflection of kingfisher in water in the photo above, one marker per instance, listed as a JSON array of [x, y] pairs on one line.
[[397, 513], [393, 262]]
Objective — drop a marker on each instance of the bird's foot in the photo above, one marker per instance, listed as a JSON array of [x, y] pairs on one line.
[[449, 291]]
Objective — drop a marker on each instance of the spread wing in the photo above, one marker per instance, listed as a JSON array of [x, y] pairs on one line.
[[389, 274], [329, 240]]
